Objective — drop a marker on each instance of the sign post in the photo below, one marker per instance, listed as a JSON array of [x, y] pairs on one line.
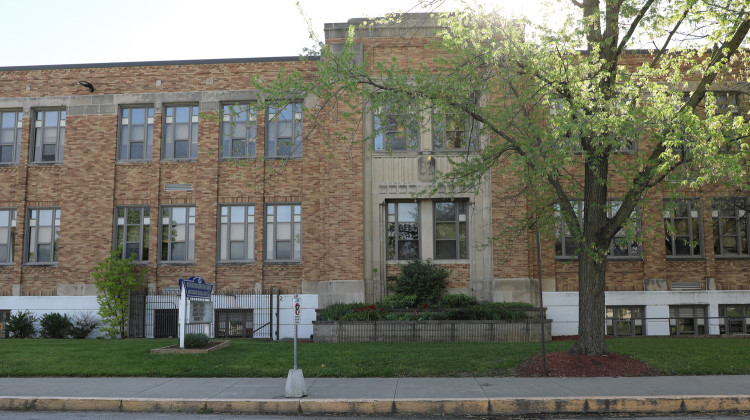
[[295, 381], [193, 287]]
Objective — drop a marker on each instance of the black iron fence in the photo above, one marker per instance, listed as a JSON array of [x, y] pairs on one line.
[[237, 314]]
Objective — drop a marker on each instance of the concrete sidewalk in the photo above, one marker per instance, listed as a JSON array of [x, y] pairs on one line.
[[386, 396]]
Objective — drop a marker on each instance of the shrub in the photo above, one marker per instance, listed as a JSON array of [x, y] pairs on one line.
[[423, 279], [83, 324], [335, 311], [399, 301], [459, 315], [55, 325], [21, 325], [457, 301], [115, 278], [196, 341]]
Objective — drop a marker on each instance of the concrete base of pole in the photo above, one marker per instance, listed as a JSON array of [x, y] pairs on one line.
[[295, 384]]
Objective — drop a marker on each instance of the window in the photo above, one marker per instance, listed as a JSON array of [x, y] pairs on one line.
[[238, 132], [395, 130], [682, 228], [132, 232], [43, 234], [236, 233], [620, 247], [451, 131], [565, 244], [450, 230], [731, 228], [181, 132], [10, 136], [136, 133], [178, 234], [625, 320], [736, 319], [7, 235], [233, 323], [402, 231], [284, 232], [49, 136], [728, 103], [285, 131], [687, 320]]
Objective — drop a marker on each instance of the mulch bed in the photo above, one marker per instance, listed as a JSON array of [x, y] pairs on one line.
[[562, 364]]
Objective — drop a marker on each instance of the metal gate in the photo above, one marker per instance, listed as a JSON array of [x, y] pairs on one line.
[[237, 314]]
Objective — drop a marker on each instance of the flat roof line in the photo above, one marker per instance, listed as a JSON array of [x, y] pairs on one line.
[[159, 63]]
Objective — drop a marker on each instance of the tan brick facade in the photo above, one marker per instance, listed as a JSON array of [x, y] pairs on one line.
[[341, 189]]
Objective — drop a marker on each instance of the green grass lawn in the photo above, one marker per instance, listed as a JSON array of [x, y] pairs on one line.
[[245, 358]]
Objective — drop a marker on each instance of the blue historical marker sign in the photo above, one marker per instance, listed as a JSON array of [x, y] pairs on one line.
[[196, 287]]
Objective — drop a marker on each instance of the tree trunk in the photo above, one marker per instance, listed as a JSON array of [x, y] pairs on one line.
[[592, 259], [591, 310]]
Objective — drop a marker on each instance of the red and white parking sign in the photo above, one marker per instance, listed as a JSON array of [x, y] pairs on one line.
[[297, 309]]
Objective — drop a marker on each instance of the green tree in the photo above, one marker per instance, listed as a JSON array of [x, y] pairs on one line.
[[116, 277], [552, 108]]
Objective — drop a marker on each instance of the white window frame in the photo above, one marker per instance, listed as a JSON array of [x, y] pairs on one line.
[[7, 235], [170, 131], [143, 227], [236, 218], [393, 230], [238, 124], [272, 229], [127, 130], [11, 123], [290, 114], [56, 134], [35, 239], [167, 242]]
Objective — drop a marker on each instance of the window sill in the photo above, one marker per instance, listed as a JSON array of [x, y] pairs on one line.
[[229, 263], [609, 258], [283, 157], [45, 163], [451, 261], [282, 262], [8, 164], [175, 263], [731, 257], [133, 162], [36, 264], [179, 160], [686, 258], [7, 265], [234, 158]]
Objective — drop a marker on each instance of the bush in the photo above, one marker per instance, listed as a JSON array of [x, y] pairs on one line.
[[366, 315], [196, 341], [21, 325], [83, 324], [55, 325], [457, 301], [423, 279], [399, 301], [335, 311]]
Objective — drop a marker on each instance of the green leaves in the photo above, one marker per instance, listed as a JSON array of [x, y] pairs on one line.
[[115, 277]]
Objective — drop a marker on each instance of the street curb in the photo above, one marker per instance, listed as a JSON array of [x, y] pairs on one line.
[[427, 406]]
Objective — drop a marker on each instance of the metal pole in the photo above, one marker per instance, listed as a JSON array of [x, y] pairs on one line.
[[295, 346], [542, 316]]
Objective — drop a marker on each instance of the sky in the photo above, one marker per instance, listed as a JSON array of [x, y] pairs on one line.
[[47, 32]]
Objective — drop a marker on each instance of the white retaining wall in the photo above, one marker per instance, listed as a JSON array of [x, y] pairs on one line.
[[562, 307], [40, 305]]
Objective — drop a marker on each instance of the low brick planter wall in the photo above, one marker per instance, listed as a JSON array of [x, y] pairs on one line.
[[429, 331]]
